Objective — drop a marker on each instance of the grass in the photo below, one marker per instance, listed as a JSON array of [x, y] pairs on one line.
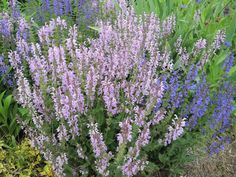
[[221, 165]]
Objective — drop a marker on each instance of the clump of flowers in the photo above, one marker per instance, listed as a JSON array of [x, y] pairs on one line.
[[81, 12], [73, 79], [175, 130], [5, 76], [6, 25], [101, 101]]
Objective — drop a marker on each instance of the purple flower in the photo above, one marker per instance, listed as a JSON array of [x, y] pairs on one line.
[[15, 12], [14, 59], [47, 31], [5, 77], [201, 44], [23, 29], [99, 149], [189, 81], [168, 25], [182, 51], [125, 134], [110, 74], [132, 167], [219, 39], [24, 94], [228, 44], [68, 6], [58, 165], [224, 105], [46, 6], [229, 62], [56, 7], [110, 97], [91, 83], [144, 137], [175, 130], [159, 115], [176, 95], [6, 26], [167, 62], [71, 42], [163, 80], [97, 141], [218, 145], [60, 5], [139, 116], [62, 133], [199, 104]]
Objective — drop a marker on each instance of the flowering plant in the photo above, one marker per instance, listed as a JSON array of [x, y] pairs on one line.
[[106, 100]]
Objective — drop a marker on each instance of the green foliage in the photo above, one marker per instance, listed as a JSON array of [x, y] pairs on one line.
[[23, 161], [9, 129], [4, 5], [212, 17]]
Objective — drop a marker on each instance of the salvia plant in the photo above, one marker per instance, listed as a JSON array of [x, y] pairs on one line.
[[5, 76], [12, 30], [82, 12], [119, 104], [15, 26]]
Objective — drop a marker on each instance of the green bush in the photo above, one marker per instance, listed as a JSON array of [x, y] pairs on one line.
[[23, 161]]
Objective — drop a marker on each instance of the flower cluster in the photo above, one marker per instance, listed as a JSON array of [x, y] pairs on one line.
[[14, 7], [5, 76], [224, 105], [22, 30], [219, 39], [72, 78], [6, 25], [100, 150], [125, 134], [229, 62], [218, 145], [134, 165], [199, 104], [112, 84], [175, 130], [85, 12], [60, 161]]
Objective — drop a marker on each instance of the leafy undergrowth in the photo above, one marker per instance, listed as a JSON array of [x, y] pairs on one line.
[[23, 161]]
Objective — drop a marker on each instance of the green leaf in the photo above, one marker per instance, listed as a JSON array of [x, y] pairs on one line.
[[1, 96], [5, 4], [23, 111], [160, 9], [95, 28], [230, 32], [221, 58], [232, 71], [163, 158], [7, 102]]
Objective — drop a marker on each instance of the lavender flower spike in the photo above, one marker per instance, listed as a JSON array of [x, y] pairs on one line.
[[219, 40], [201, 44], [174, 131], [99, 149], [125, 134]]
